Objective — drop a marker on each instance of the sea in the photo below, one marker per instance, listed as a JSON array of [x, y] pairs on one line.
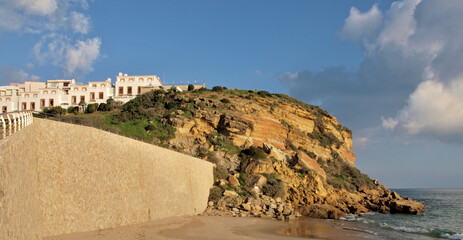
[[443, 217]]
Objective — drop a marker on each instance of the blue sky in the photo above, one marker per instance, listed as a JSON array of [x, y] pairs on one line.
[[390, 71]]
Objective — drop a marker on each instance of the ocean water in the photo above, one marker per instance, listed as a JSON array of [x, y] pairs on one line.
[[443, 218]]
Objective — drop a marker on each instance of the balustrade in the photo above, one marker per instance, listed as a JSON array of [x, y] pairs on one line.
[[14, 122]]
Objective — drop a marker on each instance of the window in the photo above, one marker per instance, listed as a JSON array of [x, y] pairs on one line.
[[24, 106], [53, 92], [32, 105], [0, 99], [122, 80], [35, 95], [150, 79], [84, 89], [76, 89], [129, 90], [93, 85], [100, 95], [121, 90], [45, 92], [140, 80], [92, 96], [131, 80], [4, 109], [42, 103], [65, 84], [7, 99], [74, 99], [82, 99], [103, 85], [139, 90], [51, 102], [26, 95]]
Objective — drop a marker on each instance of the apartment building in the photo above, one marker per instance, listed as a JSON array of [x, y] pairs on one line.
[[38, 95]]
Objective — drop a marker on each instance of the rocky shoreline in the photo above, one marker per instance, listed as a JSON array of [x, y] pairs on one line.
[[275, 208], [265, 146]]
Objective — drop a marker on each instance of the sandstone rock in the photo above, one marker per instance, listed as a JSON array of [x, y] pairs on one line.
[[257, 180], [273, 206], [280, 208], [322, 211], [290, 218], [287, 210], [276, 153], [210, 203], [246, 206], [233, 180], [307, 162], [278, 199], [395, 195], [229, 193], [406, 206], [362, 188]]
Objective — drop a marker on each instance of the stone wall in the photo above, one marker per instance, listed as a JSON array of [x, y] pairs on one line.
[[84, 179]]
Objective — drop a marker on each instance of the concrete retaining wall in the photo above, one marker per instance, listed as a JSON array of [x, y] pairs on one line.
[[82, 179]]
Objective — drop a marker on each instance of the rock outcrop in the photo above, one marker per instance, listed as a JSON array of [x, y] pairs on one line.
[[268, 145]]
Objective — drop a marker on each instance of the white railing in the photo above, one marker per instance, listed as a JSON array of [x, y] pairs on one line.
[[13, 122]]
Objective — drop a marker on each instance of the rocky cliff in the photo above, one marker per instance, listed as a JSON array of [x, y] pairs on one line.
[[264, 145]]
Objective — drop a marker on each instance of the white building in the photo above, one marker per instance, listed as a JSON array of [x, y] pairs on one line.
[[128, 87], [36, 96]]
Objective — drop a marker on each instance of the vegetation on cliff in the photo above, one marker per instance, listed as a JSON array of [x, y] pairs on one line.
[[261, 143]]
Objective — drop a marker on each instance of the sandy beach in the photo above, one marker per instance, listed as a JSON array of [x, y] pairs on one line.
[[227, 228]]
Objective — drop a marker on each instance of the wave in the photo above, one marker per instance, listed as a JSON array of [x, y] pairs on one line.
[[433, 233]]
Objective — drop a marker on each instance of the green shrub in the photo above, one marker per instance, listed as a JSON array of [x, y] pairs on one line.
[[91, 108], [215, 193], [342, 175], [71, 109], [220, 172], [264, 94], [225, 100], [254, 152], [102, 107], [191, 87], [219, 89], [243, 179], [56, 111], [274, 188], [150, 127]]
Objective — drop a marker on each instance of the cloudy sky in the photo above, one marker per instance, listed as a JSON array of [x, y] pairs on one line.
[[392, 71]]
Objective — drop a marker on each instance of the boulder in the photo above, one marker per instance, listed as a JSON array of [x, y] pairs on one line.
[[246, 206], [257, 180], [322, 211], [276, 153], [406, 206], [229, 193], [233, 180]]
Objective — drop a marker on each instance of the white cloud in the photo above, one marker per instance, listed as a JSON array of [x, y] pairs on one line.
[[359, 25], [39, 7], [361, 142], [411, 79], [81, 56], [389, 123], [9, 75], [399, 24], [72, 58], [435, 108], [39, 16], [79, 22]]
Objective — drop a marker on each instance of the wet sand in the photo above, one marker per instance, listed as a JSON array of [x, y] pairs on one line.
[[227, 228]]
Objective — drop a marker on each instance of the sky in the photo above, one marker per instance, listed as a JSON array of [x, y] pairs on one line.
[[392, 71]]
